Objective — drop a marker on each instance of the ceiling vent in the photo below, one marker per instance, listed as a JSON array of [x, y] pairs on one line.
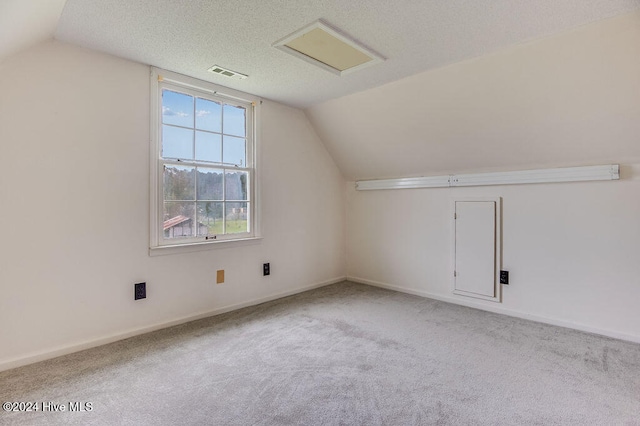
[[227, 72], [328, 48]]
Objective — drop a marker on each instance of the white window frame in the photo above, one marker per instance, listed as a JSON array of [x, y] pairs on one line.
[[162, 79]]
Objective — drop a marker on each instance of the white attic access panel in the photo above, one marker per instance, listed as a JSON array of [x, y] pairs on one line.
[[477, 248]]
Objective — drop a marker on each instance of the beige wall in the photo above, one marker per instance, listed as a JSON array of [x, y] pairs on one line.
[[74, 139], [572, 249], [26, 23]]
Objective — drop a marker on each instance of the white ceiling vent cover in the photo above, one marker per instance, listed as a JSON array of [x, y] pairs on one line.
[[328, 48], [216, 69]]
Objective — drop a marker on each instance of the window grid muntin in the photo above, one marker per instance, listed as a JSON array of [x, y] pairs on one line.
[[224, 167], [224, 201], [195, 129]]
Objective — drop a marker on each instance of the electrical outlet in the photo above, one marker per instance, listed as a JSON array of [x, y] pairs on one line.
[[266, 269], [504, 277], [139, 291], [220, 276]]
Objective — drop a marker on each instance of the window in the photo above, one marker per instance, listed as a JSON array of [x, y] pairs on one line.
[[203, 162]]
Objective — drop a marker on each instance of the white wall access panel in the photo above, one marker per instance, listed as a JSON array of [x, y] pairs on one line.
[[477, 248]]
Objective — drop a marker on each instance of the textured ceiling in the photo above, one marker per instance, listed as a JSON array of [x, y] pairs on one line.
[[414, 35]]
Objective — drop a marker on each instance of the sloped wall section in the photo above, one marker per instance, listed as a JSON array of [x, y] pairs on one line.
[[573, 99], [571, 249]]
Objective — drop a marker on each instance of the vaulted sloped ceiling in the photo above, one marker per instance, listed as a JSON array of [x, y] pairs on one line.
[[414, 35], [24, 23], [572, 99], [466, 85]]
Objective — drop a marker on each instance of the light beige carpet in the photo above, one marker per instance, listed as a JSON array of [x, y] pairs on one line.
[[344, 354]]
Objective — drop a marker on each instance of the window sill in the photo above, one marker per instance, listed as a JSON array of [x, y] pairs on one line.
[[208, 245]]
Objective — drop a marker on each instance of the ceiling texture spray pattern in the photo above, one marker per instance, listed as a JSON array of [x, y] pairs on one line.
[[414, 35]]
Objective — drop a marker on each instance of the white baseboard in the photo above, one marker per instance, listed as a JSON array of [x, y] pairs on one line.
[[68, 349], [500, 310]]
